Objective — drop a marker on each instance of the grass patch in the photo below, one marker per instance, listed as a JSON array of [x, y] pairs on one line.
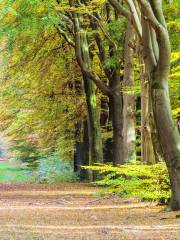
[[10, 173]]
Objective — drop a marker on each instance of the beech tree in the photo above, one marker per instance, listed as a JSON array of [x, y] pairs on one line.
[[155, 47], [112, 71], [94, 129]]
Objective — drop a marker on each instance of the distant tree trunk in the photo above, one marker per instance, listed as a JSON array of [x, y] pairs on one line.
[[77, 148], [81, 151], [106, 124], [129, 133], [85, 160], [91, 149]]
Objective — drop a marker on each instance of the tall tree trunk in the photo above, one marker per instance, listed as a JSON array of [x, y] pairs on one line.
[[151, 151], [168, 136], [116, 99], [129, 133], [95, 139], [156, 53], [158, 153], [147, 150], [158, 67]]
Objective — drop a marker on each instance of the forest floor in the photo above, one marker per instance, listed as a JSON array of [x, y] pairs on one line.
[[75, 211]]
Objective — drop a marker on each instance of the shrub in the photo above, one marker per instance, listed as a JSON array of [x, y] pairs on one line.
[[53, 169], [134, 179]]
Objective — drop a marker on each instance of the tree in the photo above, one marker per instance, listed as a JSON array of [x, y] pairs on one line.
[[94, 129], [112, 72], [129, 98], [156, 53]]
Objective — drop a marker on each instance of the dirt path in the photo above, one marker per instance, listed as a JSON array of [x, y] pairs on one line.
[[72, 211]]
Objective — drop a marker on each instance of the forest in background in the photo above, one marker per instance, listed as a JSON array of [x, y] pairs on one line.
[[85, 82]]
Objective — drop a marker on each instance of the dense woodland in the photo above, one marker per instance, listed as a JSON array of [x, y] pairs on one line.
[[94, 83]]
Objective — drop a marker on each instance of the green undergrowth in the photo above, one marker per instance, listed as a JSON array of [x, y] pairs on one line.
[[147, 182], [52, 169]]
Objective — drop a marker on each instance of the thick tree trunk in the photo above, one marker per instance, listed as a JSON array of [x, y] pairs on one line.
[[94, 128], [129, 133], [147, 150], [117, 123], [158, 153], [169, 138], [157, 62], [156, 53], [95, 140], [116, 99]]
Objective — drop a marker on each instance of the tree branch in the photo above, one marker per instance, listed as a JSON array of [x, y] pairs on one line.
[[88, 72], [120, 9], [103, 30], [65, 36], [136, 19]]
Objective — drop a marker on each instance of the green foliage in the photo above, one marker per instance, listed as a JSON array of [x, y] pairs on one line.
[[148, 182], [172, 13], [53, 169]]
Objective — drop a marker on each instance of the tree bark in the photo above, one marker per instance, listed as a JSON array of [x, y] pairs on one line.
[[169, 138], [129, 133], [147, 151], [95, 139], [77, 148], [85, 160], [94, 128], [158, 66], [116, 99]]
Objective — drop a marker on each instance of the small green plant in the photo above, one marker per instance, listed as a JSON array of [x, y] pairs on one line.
[[148, 182]]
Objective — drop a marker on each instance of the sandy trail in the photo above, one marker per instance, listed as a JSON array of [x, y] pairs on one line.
[[72, 211]]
